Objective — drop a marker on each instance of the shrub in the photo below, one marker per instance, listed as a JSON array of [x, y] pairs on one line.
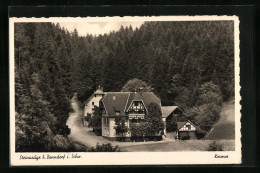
[[104, 148], [121, 127], [88, 117], [154, 119], [200, 133], [77, 147], [213, 146], [95, 121], [185, 138], [139, 129], [206, 111], [151, 126]]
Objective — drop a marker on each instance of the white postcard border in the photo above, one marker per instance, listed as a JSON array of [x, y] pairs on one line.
[[128, 158]]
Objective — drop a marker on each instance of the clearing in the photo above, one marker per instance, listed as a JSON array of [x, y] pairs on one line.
[[85, 136], [225, 127]]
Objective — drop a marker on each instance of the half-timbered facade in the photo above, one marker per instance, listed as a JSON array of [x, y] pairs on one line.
[[186, 130], [131, 105]]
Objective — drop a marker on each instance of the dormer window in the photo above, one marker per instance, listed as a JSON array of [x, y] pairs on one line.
[[117, 112]]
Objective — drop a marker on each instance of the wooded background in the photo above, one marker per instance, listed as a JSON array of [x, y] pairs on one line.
[[189, 64]]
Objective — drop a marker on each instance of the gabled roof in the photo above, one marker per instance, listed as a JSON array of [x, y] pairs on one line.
[[120, 101], [115, 101], [181, 124], [146, 97], [167, 110], [85, 102], [98, 91]]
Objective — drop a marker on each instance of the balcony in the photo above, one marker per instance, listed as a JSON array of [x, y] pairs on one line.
[[136, 116]]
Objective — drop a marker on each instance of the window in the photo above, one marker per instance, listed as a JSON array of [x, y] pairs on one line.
[[136, 103], [92, 103], [189, 127], [117, 112], [106, 121]]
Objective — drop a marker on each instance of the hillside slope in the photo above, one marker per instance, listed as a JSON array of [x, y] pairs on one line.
[[225, 128]]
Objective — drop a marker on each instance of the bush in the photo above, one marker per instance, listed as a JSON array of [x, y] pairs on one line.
[[213, 146], [139, 129], [77, 147], [88, 117], [185, 138], [200, 133], [206, 111], [105, 148], [154, 121], [121, 127], [97, 131], [95, 121]]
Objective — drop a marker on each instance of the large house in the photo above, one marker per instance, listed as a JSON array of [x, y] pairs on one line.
[[132, 105]]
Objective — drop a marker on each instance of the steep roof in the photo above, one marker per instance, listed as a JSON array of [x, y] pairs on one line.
[[167, 110], [98, 91], [115, 101], [146, 97], [120, 101], [85, 102], [181, 124]]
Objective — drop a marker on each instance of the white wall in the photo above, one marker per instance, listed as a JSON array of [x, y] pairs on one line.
[[88, 106], [109, 130], [112, 131], [184, 128], [105, 128]]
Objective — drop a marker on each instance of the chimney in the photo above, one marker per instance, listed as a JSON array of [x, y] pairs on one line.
[[99, 88]]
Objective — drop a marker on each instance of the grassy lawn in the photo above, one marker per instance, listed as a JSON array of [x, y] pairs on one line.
[[223, 130], [225, 127], [189, 145]]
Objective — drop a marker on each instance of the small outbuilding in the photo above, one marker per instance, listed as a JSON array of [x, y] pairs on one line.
[[186, 130]]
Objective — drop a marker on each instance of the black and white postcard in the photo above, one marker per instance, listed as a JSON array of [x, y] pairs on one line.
[[133, 90]]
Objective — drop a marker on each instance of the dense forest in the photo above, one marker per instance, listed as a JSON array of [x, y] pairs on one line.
[[185, 63]]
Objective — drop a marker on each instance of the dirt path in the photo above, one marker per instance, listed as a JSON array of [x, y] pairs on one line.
[[78, 132], [85, 135]]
